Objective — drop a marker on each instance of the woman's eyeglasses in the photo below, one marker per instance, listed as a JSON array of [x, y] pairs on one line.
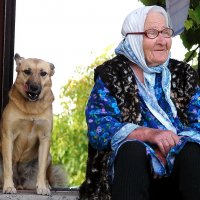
[[153, 33]]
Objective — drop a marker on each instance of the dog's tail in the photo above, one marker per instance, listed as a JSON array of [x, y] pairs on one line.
[[57, 176]]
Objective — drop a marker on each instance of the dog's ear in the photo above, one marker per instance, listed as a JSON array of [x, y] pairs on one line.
[[52, 67], [18, 60]]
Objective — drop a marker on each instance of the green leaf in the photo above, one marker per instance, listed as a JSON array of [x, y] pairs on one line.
[[188, 24], [190, 55], [194, 14]]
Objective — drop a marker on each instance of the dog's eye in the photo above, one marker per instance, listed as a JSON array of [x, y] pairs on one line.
[[27, 71], [43, 73]]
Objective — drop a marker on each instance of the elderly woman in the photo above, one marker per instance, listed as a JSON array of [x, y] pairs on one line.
[[143, 118]]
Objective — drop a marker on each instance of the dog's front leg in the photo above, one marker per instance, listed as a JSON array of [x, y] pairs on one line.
[[7, 148], [42, 187]]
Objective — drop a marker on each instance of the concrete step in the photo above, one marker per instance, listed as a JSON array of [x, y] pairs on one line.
[[31, 195]]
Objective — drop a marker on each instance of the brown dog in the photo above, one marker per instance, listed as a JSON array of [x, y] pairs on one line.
[[26, 127]]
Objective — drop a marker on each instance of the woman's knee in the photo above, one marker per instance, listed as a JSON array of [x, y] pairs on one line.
[[132, 149], [190, 150], [188, 156]]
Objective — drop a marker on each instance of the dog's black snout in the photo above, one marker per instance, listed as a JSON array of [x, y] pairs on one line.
[[34, 88]]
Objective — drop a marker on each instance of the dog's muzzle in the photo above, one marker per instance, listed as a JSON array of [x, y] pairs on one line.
[[33, 90]]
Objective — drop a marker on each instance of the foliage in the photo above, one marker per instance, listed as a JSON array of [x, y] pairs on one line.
[[153, 2], [190, 36], [69, 140]]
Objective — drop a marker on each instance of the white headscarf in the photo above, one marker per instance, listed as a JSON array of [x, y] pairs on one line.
[[132, 48]]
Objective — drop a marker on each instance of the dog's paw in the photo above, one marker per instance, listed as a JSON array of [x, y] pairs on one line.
[[43, 191], [9, 190]]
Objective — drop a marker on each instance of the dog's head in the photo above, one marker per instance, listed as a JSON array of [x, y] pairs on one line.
[[33, 77]]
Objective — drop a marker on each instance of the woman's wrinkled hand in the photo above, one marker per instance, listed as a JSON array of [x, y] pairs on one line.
[[163, 139], [161, 157]]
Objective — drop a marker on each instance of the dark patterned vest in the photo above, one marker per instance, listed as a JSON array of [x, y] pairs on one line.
[[118, 77]]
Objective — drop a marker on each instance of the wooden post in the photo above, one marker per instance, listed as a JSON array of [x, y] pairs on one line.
[[7, 34]]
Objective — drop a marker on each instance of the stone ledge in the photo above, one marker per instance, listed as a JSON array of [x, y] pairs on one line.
[[31, 195]]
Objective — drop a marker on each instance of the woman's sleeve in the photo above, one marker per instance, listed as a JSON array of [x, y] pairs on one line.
[[103, 119], [193, 111]]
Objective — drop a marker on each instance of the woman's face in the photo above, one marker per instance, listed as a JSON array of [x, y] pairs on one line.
[[156, 50]]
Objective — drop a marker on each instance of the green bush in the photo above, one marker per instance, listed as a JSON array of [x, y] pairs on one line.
[[69, 139]]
